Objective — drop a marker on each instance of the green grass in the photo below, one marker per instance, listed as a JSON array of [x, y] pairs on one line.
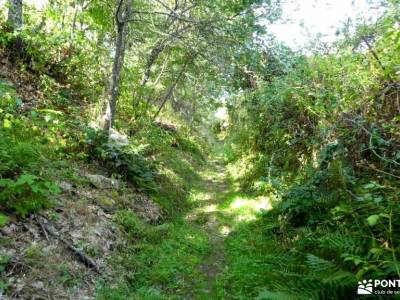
[[245, 273], [160, 260], [164, 262]]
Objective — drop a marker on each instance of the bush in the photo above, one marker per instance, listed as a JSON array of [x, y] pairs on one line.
[[327, 131], [121, 159], [27, 194]]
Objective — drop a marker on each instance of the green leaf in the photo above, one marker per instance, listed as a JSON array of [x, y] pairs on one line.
[[384, 215], [48, 118], [3, 220], [372, 220], [50, 111], [6, 123], [26, 178], [369, 186], [18, 102], [377, 251], [5, 182]]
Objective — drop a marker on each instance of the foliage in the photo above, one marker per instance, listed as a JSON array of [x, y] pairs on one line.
[[26, 194], [166, 260], [122, 159], [319, 132], [3, 220], [29, 141], [132, 225], [323, 137]]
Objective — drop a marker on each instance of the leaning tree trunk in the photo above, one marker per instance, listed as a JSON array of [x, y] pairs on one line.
[[122, 22], [171, 88], [170, 91]]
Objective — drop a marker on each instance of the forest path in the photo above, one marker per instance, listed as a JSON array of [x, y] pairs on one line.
[[219, 209], [191, 258], [213, 221]]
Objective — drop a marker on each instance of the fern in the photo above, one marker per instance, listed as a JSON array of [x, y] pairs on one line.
[[274, 295], [320, 265]]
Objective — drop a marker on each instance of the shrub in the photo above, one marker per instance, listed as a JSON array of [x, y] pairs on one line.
[[121, 159], [27, 194]]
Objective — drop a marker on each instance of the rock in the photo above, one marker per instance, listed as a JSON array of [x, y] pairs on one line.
[[118, 138], [9, 230], [114, 136], [107, 204], [19, 285], [39, 285], [106, 201], [166, 126], [102, 182], [66, 187], [85, 194]]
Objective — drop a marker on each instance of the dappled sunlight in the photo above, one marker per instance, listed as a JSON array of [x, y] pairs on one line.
[[200, 196], [245, 209], [209, 208], [255, 204], [222, 206], [176, 149], [236, 171], [225, 230], [212, 177]]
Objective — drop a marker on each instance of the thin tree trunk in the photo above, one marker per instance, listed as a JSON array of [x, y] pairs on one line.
[[137, 95], [165, 98], [73, 27], [118, 64], [169, 92], [372, 51], [375, 55], [158, 48], [15, 14], [155, 52], [17, 45], [115, 77]]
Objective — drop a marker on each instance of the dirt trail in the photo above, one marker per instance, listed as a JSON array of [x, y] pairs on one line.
[[207, 213]]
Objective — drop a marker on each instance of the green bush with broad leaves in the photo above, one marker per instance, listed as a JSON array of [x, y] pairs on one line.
[[121, 159], [27, 194]]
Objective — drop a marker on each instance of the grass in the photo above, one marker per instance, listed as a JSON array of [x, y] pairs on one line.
[[207, 252], [163, 260], [248, 251]]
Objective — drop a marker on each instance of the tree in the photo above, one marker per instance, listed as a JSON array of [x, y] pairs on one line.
[[122, 18], [15, 14], [162, 32], [16, 48], [174, 83]]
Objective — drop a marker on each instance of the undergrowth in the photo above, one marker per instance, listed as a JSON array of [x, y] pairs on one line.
[[157, 262], [307, 137]]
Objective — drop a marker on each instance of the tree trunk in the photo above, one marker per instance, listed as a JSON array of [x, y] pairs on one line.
[[170, 91], [118, 64], [115, 77], [16, 49], [73, 27], [155, 52], [15, 14]]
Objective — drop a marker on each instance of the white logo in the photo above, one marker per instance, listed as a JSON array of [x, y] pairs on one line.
[[365, 287]]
